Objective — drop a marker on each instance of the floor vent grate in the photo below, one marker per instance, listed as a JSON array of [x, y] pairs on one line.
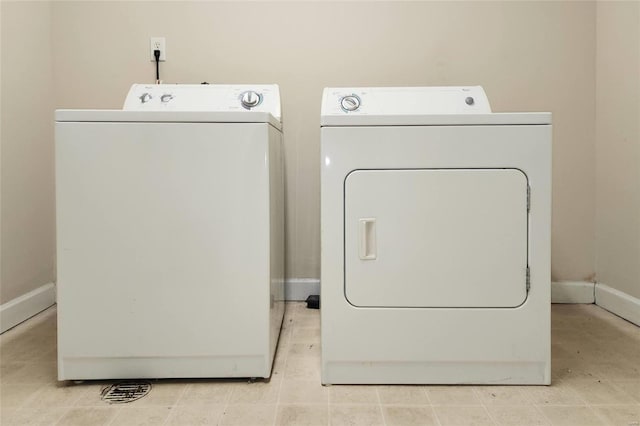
[[123, 392]]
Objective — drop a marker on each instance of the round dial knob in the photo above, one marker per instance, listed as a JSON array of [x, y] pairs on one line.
[[250, 99], [166, 98], [145, 97], [350, 103]]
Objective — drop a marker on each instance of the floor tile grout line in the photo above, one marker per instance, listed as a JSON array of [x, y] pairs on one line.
[[615, 385], [64, 413], [286, 355], [588, 407], [33, 396], [528, 397], [384, 418], [224, 410], [116, 409], [275, 419], [435, 416], [425, 390], [541, 413], [601, 381], [488, 413], [176, 404], [328, 409], [601, 417], [476, 393]]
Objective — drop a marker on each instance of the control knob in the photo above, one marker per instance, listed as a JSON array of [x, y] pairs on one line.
[[350, 103], [166, 98], [250, 99], [145, 97]]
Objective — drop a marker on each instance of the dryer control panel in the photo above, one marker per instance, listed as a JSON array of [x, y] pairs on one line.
[[404, 101], [204, 97]]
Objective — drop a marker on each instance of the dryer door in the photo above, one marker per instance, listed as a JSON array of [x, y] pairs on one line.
[[436, 238]]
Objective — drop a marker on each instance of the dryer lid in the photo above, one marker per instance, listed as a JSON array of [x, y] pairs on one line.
[[406, 106]]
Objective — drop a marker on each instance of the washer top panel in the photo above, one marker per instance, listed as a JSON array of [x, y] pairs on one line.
[[383, 106], [204, 97], [190, 103]]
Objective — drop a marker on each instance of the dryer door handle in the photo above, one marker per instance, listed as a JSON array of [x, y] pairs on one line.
[[368, 247]]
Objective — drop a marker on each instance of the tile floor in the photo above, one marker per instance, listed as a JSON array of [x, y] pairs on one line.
[[596, 381]]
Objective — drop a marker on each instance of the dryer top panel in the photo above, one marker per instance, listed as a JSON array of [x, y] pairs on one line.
[[383, 106]]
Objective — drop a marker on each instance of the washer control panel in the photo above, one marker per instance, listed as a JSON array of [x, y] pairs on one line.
[[204, 97], [250, 99], [405, 100], [350, 102]]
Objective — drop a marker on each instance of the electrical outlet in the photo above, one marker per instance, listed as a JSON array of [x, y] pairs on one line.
[[158, 43]]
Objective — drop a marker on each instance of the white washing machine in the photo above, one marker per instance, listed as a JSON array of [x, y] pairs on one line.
[[170, 234], [435, 238]]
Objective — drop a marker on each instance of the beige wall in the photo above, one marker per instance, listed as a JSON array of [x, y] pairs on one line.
[[27, 216], [564, 57], [618, 146], [529, 56], [1, 102]]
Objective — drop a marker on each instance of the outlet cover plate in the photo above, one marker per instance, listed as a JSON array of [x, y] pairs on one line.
[[158, 43]]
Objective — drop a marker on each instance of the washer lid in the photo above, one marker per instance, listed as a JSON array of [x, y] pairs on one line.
[[120, 116], [407, 106]]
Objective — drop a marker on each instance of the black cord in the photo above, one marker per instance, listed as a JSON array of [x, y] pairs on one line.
[[156, 54]]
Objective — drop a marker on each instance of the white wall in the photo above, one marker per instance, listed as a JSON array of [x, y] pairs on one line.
[[618, 146], [27, 231], [529, 56]]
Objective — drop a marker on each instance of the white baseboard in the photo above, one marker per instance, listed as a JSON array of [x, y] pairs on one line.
[[24, 307], [300, 288], [626, 306], [572, 292], [618, 302], [561, 291]]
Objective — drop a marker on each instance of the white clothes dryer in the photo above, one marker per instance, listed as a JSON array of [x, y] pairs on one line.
[[435, 217], [170, 234]]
